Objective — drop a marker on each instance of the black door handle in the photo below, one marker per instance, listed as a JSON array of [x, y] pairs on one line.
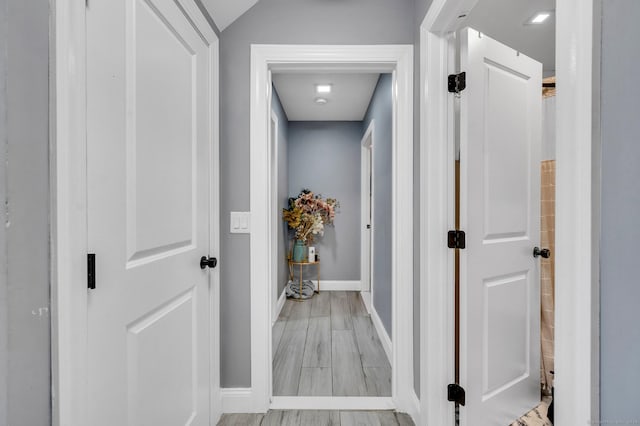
[[205, 261], [545, 253]]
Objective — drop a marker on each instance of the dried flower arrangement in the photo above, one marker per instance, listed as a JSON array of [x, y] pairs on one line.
[[308, 214]]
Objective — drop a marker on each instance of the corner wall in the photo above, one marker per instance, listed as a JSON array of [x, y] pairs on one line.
[[25, 347], [620, 226]]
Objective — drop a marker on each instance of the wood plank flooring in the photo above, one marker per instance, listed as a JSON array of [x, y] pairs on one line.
[[328, 346], [318, 418]]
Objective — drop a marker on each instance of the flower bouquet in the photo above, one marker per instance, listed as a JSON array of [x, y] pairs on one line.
[[308, 214]]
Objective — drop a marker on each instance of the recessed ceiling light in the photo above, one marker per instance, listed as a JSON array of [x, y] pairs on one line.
[[323, 88], [538, 18], [321, 101]]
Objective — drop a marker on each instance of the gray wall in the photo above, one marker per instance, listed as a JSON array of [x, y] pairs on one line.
[[4, 329], [283, 188], [24, 170], [381, 112], [324, 156], [620, 285], [286, 22], [421, 8]]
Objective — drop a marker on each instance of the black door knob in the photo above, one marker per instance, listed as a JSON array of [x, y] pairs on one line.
[[205, 261], [545, 253]]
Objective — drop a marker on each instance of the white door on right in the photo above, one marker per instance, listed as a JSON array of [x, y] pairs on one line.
[[500, 136]]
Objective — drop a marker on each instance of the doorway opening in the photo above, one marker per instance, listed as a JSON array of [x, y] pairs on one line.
[[440, 138], [268, 63], [329, 340]]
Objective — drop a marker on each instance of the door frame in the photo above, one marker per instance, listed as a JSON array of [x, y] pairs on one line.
[[274, 128], [68, 176], [577, 210], [366, 209], [299, 58]]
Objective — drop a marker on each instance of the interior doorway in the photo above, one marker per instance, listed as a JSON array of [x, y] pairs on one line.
[[394, 60], [438, 33]]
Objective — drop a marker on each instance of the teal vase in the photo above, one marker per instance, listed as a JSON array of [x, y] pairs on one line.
[[299, 249]]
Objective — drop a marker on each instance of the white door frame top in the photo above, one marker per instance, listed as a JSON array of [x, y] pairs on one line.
[[576, 327], [68, 161], [396, 59]]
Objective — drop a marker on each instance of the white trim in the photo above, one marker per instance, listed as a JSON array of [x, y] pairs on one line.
[[414, 411], [381, 58], [214, 233], [576, 295], [338, 285], [281, 301], [366, 207], [333, 403], [69, 356], [366, 299], [382, 334], [236, 400], [69, 362], [577, 311]]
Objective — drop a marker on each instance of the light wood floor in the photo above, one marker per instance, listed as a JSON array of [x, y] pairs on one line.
[[328, 346], [318, 418]]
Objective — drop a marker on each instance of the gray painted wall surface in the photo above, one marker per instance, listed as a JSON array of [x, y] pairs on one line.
[[285, 22], [283, 189], [381, 113], [324, 156], [620, 286], [421, 8], [26, 211], [4, 329]]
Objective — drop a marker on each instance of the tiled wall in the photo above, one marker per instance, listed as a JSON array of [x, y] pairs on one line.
[[547, 268]]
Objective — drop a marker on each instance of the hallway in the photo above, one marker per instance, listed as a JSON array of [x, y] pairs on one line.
[[328, 346]]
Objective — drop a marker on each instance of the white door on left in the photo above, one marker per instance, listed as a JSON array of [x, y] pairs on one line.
[[149, 144]]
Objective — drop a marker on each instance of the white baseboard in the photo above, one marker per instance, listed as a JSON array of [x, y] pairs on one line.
[[414, 408], [279, 306], [338, 285], [382, 333], [237, 400], [334, 403], [366, 299]]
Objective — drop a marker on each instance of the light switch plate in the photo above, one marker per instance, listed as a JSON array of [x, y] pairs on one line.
[[240, 222]]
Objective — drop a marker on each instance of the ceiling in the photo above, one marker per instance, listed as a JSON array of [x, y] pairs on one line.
[[224, 12], [348, 101], [504, 21]]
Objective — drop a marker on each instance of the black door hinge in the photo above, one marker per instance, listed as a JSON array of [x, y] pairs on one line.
[[455, 393], [91, 271], [456, 239], [457, 82]]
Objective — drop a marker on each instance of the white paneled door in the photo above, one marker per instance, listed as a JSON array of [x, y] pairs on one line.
[[500, 135], [149, 142]]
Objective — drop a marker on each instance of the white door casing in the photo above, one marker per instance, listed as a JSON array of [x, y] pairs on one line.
[[500, 137], [152, 201]]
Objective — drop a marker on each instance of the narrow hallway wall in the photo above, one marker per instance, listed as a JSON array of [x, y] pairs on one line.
[[324, 156], [286, 22], [381, 113]]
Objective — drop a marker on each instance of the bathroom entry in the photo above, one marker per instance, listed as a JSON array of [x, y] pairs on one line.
[[334, 342], [505, 203]]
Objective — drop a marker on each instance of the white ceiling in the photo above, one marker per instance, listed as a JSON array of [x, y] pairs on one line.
[[503, 20], [348, 101], [224, 12]]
